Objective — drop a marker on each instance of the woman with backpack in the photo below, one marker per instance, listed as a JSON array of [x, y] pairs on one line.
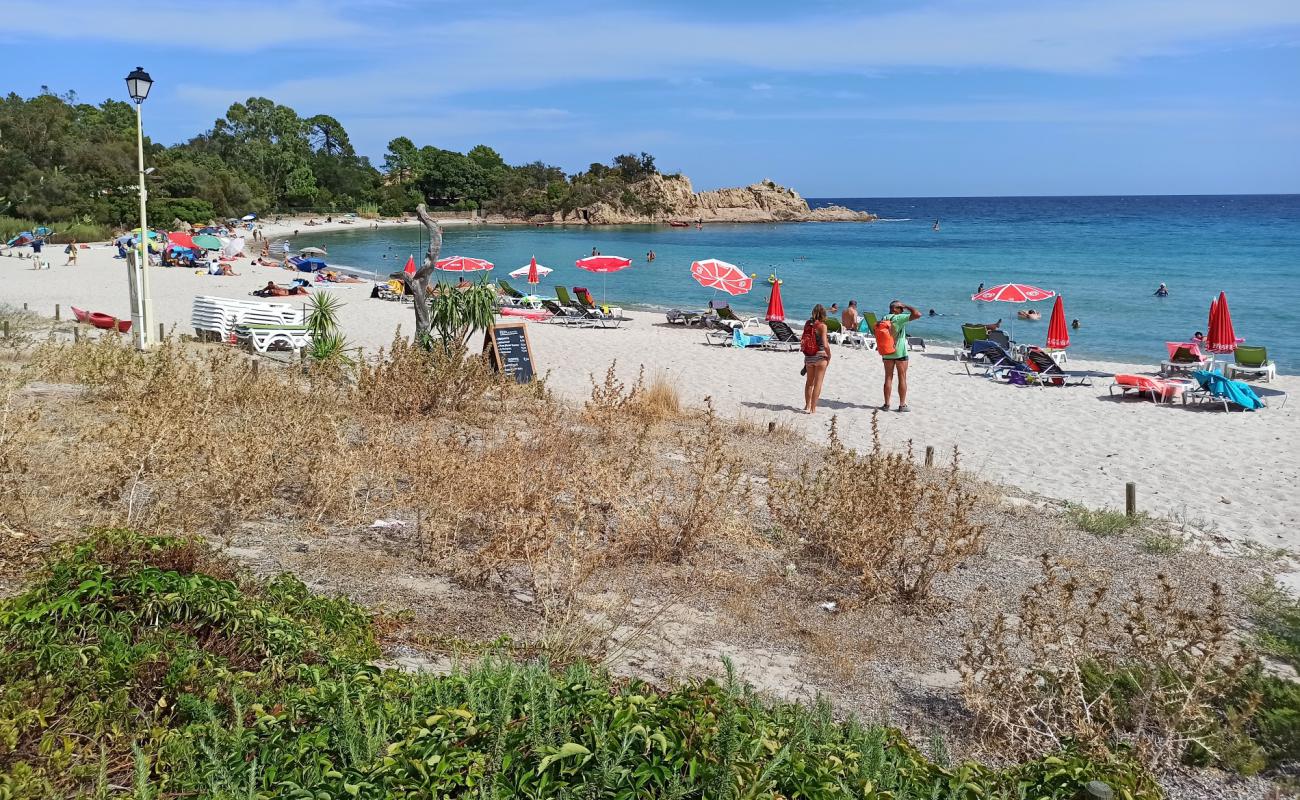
[[891, 343], [816, 357]]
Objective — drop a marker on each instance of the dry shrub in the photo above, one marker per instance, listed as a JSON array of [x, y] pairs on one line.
[[613, 404], [1147, 674], [411, 380], [660, 399], [880, 516]]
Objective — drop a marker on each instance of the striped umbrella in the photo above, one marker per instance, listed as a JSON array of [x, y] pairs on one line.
[[715, 274], [462, 264]]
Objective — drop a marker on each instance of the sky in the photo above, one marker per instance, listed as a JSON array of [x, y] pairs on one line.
[[834, 98]]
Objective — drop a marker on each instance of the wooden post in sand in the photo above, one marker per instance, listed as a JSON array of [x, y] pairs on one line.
[[929, 455], [256, 365], [56, 312], [6, 329], [76, 335], [162, 332], [1131, 499]]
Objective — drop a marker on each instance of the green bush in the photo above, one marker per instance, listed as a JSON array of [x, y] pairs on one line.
[[143, 667], [186, 209], [63, 232]]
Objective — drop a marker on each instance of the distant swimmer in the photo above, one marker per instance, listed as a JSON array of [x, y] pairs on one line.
[[1075, 324], [1030, 314], [1162, 291], [980, 290], [650, 256], [936, 225]]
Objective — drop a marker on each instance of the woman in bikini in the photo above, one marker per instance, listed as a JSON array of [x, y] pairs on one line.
[[815, 363]]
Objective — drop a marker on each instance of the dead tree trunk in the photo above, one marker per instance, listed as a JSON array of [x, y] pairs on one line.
[[417, 285]]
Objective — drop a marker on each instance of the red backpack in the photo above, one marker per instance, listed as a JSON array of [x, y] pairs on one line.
[[884, 332], [808, 342]]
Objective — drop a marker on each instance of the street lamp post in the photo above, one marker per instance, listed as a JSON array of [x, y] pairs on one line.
[[138, 84]]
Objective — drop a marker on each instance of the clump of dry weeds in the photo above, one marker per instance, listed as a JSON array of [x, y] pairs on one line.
[[1146, 674], [880, 516]]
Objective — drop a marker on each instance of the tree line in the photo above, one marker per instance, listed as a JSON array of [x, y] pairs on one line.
[[62, 160]]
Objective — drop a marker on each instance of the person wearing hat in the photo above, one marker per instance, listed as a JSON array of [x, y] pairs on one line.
[[896, 362]]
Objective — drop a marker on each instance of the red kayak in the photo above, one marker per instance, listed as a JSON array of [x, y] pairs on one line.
[[526, 313], [103, 321]]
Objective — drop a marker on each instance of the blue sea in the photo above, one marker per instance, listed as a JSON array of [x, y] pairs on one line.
[[1104, 255]]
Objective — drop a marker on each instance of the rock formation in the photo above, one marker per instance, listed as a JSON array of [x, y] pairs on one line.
[[668, 198]]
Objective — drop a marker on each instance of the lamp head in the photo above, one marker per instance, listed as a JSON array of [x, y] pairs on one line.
[[138, 84]]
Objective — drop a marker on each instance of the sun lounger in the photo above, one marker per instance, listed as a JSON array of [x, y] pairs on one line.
[[1213, 388], [783, 338], [1185, 358], [993, 356], [1001, 338], [678, 317], [261, 338], [1157, 389], [742, 340], [508, 290], [1249, 361], [724, 312], [1049, 373], [970, 334], [567, 315]]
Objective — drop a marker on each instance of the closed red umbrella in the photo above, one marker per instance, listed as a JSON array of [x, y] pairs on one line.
[[715, 274], [462, 264], [603, 264], [533, 277], [1222, 338], [1214, 308], [1058, 335], [775, 309], [409, 269]]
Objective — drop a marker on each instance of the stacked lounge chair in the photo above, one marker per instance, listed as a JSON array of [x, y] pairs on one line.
[[215, 318]]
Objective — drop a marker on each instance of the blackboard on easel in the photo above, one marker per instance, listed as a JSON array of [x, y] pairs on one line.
[[507, 350]]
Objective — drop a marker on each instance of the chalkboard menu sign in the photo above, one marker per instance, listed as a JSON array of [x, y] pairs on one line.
[[507, 350]]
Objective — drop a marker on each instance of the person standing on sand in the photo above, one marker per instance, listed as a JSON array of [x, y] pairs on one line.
[[71, 251], [816, 349], [896, 362]]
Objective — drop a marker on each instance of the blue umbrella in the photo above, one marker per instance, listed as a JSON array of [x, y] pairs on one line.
[[43, 231]]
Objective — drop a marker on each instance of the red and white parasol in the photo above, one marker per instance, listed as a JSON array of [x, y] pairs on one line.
[[714, 274], [1013, 293], [603, 264], [462, 264]]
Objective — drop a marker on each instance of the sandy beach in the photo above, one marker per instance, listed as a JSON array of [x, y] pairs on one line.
[[1230, 474]]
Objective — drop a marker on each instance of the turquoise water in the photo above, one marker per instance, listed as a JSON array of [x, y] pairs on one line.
[[1105, 255]]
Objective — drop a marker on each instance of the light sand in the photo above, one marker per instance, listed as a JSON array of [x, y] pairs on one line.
[[1234, 473]]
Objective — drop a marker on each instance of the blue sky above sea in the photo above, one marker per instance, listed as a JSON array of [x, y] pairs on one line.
[[835, 98]]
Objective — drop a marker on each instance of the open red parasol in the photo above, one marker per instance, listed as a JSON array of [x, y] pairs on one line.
[[603, 264], [409, 269], [715, 274], [1013, 293], [462, 264], [1058, 334]]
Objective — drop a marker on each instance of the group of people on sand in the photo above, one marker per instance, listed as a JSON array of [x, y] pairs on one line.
[[891, 346]]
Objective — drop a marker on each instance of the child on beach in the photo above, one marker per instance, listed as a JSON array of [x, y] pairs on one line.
[[816, 357], [896, 361]]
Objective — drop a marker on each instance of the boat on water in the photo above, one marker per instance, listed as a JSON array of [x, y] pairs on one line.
[[679, 224]]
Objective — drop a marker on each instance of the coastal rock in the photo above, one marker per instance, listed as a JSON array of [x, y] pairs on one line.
[[668, 198]]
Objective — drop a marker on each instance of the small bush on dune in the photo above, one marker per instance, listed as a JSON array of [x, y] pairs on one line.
[[880, 517]]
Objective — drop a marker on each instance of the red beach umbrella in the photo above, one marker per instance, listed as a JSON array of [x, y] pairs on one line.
[[714, 274], [533, 277], [603, 264], [1058, 335], [1214, 309], [182, 239], [409, 269], [775, 309], [462, 264], [1222, 338], [1013, 293]]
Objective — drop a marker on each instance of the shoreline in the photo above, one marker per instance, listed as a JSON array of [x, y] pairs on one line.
[[1074, 444]]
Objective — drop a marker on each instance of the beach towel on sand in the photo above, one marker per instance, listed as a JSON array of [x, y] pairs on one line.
[[743, 340]]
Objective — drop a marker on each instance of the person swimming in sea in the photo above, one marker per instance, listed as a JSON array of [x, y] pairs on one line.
[[1162, 291], [980, 290], [1075, 324], [1031, 314]]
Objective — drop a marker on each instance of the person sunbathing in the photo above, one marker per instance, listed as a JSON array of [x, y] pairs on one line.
[[988, 326]]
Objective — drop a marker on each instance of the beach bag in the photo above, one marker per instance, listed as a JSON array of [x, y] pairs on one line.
[[884, 333], [808, 342]]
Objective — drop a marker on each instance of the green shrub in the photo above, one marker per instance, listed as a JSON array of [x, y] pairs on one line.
[[63, 232], [1102, 522], [143, 662], [186, 209], [1276, 614]]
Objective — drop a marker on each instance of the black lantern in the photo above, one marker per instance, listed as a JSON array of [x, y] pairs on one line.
[[138, 84]]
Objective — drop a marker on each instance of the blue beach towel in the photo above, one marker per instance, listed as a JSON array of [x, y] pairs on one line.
[[1233, 391], [743, 340]]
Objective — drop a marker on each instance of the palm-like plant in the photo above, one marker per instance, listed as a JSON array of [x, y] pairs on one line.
[[456, 313], [328, 345]]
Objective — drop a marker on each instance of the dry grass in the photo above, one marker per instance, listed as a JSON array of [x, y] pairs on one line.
[[881, 517], [1146, 672]]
